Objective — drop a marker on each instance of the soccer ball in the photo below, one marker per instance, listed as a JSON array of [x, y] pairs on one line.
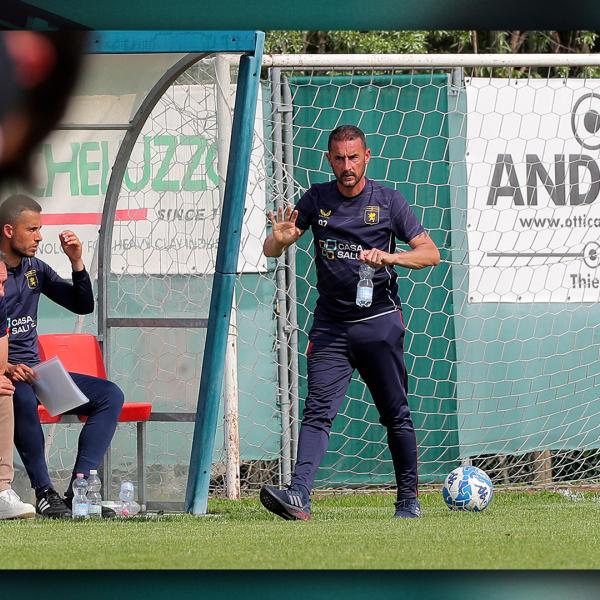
[[467, 488]]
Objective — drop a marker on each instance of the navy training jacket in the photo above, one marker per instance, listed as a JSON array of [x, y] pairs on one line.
[[22, 292]]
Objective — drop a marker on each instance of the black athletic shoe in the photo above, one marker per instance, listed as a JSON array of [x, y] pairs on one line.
[[107, 513], [287, 504], [52, 506], [408, 508]]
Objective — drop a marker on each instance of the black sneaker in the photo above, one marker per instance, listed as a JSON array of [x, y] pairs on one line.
[[287, 504], [107, 513], [52, 506], [408, 508]]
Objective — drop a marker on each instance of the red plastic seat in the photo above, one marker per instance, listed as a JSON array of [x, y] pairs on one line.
[[81, 353], [78, 352], [131, 411], [45, 417]]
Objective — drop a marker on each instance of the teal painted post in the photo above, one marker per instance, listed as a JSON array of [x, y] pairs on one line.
[[143, 42], [211, 379]]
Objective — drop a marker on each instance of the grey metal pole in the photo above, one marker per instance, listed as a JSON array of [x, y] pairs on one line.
[[457, 80], [292, 300], [281, 300]]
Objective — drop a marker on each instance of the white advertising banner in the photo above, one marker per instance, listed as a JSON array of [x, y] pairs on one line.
[[533, 219], [168, 215]]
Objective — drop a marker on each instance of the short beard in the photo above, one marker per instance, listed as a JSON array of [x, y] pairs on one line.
[[351, 185]]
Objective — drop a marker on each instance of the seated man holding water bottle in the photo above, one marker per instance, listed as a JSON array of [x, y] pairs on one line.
[[358, 320], [28, 278]]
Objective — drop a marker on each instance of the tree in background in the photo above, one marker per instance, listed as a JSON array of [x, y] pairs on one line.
[[386, 42], [439, 42]]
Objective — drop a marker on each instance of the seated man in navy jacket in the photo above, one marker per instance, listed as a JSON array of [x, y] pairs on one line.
[[28, 277]]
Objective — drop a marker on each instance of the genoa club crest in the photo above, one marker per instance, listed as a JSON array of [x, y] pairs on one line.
[[32, 280], [371, 215]]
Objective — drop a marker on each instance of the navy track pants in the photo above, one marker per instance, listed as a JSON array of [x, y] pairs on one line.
[[105, 402], [374, 347]]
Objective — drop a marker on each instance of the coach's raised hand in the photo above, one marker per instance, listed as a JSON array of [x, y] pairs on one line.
[[284, 233], [71, 246]]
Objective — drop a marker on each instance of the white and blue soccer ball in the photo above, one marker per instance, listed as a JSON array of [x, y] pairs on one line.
[[468, 488]]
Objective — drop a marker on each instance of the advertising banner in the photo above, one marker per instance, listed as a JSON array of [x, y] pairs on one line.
[[168, 214], [533, 220]]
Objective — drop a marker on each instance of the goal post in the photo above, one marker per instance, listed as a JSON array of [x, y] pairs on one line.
[[498, 155]]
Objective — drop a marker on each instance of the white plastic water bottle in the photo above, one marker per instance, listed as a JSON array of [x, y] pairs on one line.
[[93, 495], [80, 507], [364, 289], [128, 507]]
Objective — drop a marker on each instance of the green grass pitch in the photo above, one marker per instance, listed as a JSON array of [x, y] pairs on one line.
[[540, 530]]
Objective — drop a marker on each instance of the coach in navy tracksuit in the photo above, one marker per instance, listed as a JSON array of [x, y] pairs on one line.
[[28, 277], [354, 220]]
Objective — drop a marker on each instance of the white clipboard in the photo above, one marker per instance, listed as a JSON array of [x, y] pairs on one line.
[[55, 389]]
